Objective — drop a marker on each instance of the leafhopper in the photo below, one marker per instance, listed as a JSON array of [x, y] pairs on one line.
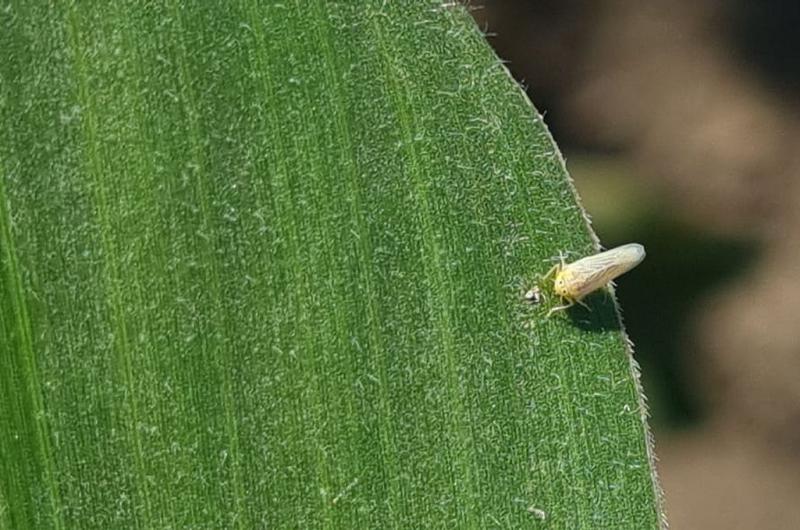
[[573, 281]]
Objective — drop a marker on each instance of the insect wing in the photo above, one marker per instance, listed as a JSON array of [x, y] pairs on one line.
[[593, 272]]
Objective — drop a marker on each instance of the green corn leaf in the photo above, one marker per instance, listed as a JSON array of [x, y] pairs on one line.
[[263, 266]]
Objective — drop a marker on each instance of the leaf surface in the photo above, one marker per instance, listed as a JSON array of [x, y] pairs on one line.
[[262, 266]]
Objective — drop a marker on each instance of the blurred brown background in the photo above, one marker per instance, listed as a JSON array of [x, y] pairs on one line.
[[680, 123]]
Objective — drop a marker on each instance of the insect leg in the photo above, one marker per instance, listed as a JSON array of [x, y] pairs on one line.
[[555, 268], [569, 304], [584, 304]]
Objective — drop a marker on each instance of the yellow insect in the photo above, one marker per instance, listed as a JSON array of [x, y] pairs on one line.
[[573, 281]]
